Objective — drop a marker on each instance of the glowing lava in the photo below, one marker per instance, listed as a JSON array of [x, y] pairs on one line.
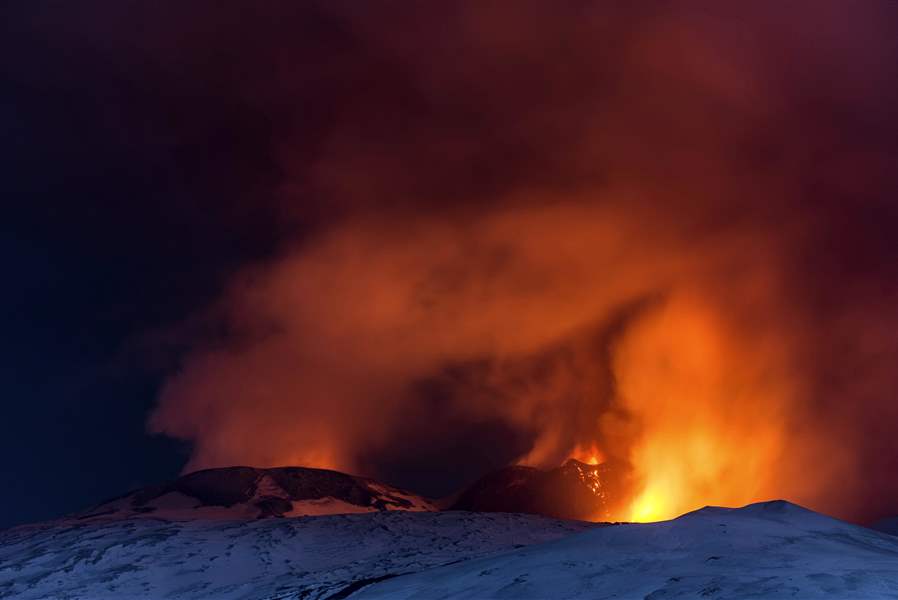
[[650, 506], [589, 454], [683, 377]]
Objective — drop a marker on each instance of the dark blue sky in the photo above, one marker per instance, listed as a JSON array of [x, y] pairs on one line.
[[140, 171], [125, 205]]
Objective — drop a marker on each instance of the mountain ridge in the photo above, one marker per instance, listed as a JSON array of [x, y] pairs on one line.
[[242, 492], [772, 549]]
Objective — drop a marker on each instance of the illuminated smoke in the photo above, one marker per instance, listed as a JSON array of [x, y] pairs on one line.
[[593, 228]]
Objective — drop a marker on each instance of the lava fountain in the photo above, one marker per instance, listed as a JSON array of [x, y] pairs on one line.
[[646, 258], [710, 417]]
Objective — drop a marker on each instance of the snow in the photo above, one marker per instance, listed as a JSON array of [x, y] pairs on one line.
[[767, 550], [326, 506], [174, 505], [304, 557], [887, 525]]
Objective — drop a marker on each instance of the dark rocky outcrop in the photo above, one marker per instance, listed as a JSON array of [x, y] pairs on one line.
[[575, 490], [246, 492]]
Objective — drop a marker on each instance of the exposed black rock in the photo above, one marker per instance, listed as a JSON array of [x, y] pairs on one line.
[[246, 492], [217, 487], [308, 484], [575, 490], [273, 506]]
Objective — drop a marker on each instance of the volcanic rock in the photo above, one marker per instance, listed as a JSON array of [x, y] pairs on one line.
[[575, 490], [246, 493], [766, 550]]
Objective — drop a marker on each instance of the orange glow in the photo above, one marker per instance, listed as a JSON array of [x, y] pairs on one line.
[[616, 234], [650, 506], [589, 454], [691, 394], [684, 376]]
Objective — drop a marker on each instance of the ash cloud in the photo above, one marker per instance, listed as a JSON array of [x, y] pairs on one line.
[[517, 232]]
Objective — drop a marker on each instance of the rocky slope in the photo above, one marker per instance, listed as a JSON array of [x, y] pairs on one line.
[[248, 493], [575, 490]]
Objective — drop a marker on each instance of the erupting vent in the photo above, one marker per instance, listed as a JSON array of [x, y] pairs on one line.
[[575, 490]]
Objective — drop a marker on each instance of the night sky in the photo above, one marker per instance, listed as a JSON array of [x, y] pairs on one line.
[[128, 201], [198, 195]]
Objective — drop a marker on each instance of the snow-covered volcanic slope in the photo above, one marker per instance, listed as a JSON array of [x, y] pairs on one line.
[[766, 550], [247, 493], [304, 557]]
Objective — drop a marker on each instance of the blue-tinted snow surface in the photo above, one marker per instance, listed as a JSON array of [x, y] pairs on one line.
[[770, 550]]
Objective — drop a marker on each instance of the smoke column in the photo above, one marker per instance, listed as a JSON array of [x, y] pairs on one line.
[[667, 234]]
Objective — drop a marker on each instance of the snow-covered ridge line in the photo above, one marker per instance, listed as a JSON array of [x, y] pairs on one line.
[[239, 493], [766, 550]]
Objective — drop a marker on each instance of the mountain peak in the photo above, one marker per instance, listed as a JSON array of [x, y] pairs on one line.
[[248, 492], [575, 490]]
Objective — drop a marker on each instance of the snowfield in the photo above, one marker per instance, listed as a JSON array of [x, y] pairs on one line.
[[768, 550], [300, 557]]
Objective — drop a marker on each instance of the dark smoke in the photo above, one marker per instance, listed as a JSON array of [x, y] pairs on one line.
[[509, 231]]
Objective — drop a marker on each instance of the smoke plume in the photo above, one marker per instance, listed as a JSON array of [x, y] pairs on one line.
[[663, 234]]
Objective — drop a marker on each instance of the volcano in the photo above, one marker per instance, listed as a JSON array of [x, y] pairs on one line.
[[575, 490], [766, 550], [251, 493]]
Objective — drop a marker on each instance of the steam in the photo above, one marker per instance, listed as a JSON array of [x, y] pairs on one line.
[[581, 228]]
